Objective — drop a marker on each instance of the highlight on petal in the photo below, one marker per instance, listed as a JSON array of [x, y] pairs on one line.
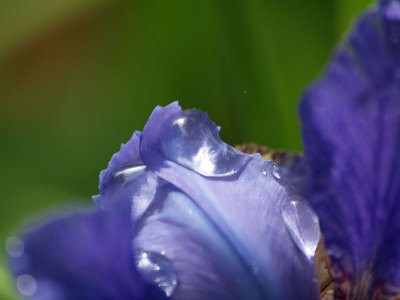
[[126, 178], [85, 255], [128, 156], [191, 139], [351, 130], [227, 226]]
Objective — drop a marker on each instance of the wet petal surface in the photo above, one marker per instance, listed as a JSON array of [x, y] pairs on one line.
[[231, 214], [191, 139]]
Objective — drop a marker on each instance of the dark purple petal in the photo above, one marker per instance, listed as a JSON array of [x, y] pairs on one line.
[[79, 256], [227, 222], [351, 129]]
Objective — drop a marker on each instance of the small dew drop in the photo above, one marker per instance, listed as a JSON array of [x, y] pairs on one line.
[[276, 172], [244, 91], [14, 246], [158, 269], [300, 221], [129, 173], [26, 284]]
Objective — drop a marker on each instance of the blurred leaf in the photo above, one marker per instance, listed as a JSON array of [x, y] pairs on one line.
[[24, 20], [346, 12], [6, 286]]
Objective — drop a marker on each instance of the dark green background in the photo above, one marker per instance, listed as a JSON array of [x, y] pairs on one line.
[[78, 77]]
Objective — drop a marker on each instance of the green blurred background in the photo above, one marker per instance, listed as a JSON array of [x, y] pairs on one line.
[[78, 77]]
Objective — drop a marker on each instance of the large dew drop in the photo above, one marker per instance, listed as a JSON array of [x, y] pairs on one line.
[[156, 268], [192, 140], [302, 224]]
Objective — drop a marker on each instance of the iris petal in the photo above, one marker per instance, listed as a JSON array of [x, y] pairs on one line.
[[351, 129], [127, 178], [80, 256], [206, 265], [236, 222], [292, 165]]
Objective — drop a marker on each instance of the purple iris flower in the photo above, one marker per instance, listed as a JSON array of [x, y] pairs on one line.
[[181, 210], [183, 215], [351, 130]]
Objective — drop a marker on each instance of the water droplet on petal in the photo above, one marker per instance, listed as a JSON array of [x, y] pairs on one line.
[[192, 140], [276, 172], [158, 269], [302, 224], [14, 246], [129, 173], [26, 284]]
